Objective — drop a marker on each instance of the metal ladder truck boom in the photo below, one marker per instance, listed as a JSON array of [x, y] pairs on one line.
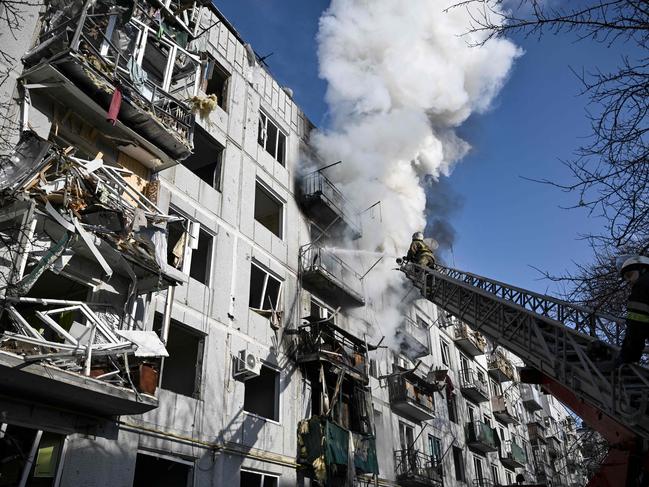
[[555, 339]]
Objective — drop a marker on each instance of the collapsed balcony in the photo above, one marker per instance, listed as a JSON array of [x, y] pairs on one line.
[[325, 452], [413, 339], [470, 342], [512, 455], [331, 278], [503, 409], [129, 60], [499, 368], [481, 437], [473, 386], [327, 206], [411, 396], [414, 468]]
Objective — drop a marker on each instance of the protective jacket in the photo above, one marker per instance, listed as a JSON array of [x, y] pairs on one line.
[[417, 250], [637, 321]]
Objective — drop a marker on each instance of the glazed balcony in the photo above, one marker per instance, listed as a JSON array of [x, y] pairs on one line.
[[413, 339], [473, 386], [327, 206], [470, 342], [325, 342], [512, 455], [411, 397], [531, 397], [84, 61], [504, 410], [417, 469], [330, 277], [500, 368], [536, 433], [480, 437]]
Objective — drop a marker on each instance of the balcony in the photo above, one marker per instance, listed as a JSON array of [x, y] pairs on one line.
[[536, 433], [325, 342], [413, 339], [470, 342], [87, 62], [473, 386], [531, 397], [512, 455], [480, 437], [411, 396], [503, 410], [416, 469], [499, 368], [329, 277], [327, 206], [554, 448]]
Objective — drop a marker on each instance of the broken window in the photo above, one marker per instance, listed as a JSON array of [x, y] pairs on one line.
[[261, 396], [29, 453], [321, 312], [216, 82], [272, 138], [254, 479], [264, 289], [176, 241], [184, 235], [201, 264], [268, 210], [184, 367], [207, 160], [151, 469], [446, 354]]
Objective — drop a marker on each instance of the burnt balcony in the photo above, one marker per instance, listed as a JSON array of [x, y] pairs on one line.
[[470, 342], [101, 55], [325, 342], [480, 437], [413, 339], [536, 433], [499, 368], [416, 469], [327, 206], [504, 410], [512, 455], [411, 396], [531, 397], [473, 386], [330, 277]]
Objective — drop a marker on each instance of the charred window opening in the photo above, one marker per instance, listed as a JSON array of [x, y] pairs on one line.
[[183, 368], [201, 265], [261, 396], [271, 138], [321, 312], [254, 479], [207, 160], [264, 289], [216, 82], [268, 210], [161, 472]]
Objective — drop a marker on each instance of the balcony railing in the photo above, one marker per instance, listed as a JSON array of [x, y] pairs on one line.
[[473, 386], [416, 469], [512, 455], [499, 368], [536, 432], [325, 203], [330, 277], [410, 398], [481, 437], [413, 339], [325, 342], [503, 410], [531, 397], [470, 342]]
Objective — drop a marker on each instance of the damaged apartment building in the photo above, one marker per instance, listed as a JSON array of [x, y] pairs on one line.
[[171, 314]]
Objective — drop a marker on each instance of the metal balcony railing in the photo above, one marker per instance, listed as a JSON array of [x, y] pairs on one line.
[[413, 465], [471, 342], [503, 409], [409, 398], [500, 368], [512, 455], [480, 436], [473, 386], [414, 340]]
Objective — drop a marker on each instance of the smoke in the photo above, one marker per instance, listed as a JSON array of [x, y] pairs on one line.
[[401, 77], [441, 203]]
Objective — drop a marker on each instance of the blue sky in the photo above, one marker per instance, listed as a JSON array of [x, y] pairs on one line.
[[506, 224]]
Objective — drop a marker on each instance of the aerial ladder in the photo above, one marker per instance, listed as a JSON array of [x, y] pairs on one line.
[[561, 345]]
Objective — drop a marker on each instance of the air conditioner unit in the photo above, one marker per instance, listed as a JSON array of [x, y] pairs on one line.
[[246, 366]]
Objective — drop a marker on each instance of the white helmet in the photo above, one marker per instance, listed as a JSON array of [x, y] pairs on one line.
[[627, 263], [417, 236]]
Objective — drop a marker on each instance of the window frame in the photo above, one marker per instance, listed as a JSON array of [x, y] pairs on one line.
[[445, 350], [217, 66], [262, 136], [192, 228], [170, 458], [278, 396], [262, 476], [200, 359], [458, 461], [268, 274]]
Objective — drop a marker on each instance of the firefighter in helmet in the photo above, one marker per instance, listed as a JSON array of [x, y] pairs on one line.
[[419, 252], [635, 270]]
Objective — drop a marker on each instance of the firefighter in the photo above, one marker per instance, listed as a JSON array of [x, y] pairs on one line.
[[419, 252], [635, 270]]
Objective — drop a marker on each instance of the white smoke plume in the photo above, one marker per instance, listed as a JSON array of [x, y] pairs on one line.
[[402, 75]]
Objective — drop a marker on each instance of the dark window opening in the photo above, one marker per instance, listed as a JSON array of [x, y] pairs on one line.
[[216, 82], [201, 264], [271, 138], [268, 210], [261, 395], [253, 479], [374, 371], [182, 370], [451, 404], [152, 470], [458, 463], [264, 289], [176, 241], [207, 160], [154, 61], [446, 359]]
